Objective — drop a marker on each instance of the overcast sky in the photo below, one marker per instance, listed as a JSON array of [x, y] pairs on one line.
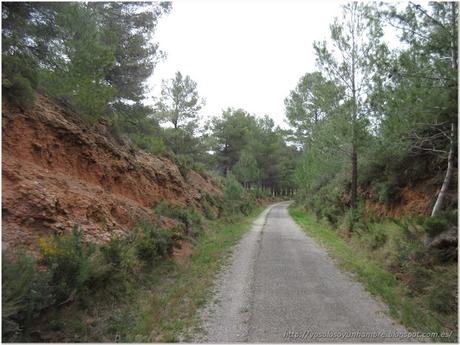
[[242, 54]]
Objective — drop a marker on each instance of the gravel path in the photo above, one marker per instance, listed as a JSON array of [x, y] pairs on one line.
[[280, 286]]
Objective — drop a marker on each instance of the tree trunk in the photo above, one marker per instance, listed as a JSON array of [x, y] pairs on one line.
[[442, 192], [354, 155], [354, 177], [453, 48]]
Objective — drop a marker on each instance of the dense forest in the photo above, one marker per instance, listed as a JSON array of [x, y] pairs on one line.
[[378, 117]]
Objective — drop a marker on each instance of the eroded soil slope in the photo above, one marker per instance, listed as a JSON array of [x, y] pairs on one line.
[[58, 172]]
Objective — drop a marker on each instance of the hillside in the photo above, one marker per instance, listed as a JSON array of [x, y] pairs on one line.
[[136, 194], [58, 171]]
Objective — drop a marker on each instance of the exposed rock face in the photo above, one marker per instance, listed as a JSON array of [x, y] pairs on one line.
[[58, 172]]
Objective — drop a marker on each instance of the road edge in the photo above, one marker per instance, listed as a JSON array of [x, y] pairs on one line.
[[231, 293]]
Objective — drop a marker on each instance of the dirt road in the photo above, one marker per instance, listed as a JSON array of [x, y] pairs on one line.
[[280, 286]]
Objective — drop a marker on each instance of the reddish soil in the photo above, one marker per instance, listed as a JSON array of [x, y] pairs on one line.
[[58, 172], [412, 202], [416, 200]]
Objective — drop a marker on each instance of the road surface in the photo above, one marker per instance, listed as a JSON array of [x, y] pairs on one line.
[[280, 286]]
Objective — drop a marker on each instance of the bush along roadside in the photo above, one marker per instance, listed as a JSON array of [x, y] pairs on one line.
[[70, 271], [404, 262], [57, 295]]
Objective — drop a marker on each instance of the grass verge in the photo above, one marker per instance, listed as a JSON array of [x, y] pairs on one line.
[[403, 304]]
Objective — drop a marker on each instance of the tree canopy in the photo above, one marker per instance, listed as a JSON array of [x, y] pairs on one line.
[[391, 114], [93, 55]]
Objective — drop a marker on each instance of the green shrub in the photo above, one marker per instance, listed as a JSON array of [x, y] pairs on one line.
[[442, 222], [215, 177], [113, 252], [247, 203], [19, 79], [327, 202], [443, 297], [418, 277], [118, 262], [71, 270], [199, 168], [149, 143], [79, 92], [376, 236], [25, 292], [186, 215], [56, 325], [214, 200], [388, 193], [152, 242], [409, 231], [331, 214], [217, 202], [19, 91], [406, 245], [70, 263], [435, 225], [233, 192], [346, 223], [208, 211], [184, 163]]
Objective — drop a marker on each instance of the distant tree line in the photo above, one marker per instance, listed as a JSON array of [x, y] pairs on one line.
[[254, 150]]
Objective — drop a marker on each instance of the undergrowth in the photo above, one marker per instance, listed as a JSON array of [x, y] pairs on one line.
[[70, 271], [393, 260], [128, 289]]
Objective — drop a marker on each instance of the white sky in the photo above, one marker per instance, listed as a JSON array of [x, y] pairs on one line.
[[242, 54]]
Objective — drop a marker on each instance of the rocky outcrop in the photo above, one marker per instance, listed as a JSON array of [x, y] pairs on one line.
[[58, 172]]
